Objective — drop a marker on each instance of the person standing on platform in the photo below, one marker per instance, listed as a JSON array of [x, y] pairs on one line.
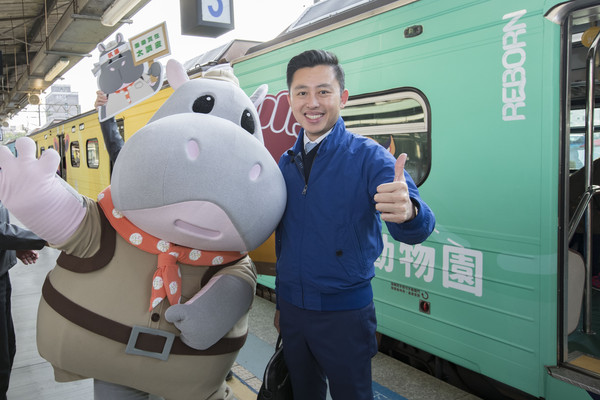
[[15, 242], [339, 188]]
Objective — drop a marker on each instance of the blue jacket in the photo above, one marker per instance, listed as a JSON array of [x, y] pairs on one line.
[[330, 234]]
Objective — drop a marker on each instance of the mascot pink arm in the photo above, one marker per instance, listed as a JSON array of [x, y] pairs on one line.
[[35, 195]]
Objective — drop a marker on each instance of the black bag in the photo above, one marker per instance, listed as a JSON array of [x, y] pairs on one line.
[[277, 384]]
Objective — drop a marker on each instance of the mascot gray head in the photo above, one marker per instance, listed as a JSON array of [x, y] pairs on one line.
[[198, 173]]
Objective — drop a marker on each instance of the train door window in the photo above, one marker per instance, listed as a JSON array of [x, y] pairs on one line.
[[577, 138], [121, 126], [63, 155], [92, 151], [397, 119], [75, 157], [42, 149]]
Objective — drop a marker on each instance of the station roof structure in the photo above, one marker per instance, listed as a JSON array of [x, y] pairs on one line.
[[40, 40]]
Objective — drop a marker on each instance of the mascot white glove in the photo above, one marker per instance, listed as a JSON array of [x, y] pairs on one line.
[[35, 195]]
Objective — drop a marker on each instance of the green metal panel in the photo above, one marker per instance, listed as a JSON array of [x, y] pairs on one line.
[[266, 280], [493, 183]]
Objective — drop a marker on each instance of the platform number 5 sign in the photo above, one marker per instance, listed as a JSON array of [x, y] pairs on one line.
[[209, 18], [216, 11]]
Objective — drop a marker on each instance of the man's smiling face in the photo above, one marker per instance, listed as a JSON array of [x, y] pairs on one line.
[[316, 100]]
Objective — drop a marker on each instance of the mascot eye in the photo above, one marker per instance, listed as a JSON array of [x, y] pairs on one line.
[[112, 60], [204, 104], [247, 121]]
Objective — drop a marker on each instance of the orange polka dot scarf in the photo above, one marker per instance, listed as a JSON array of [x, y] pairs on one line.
[[167, 277]]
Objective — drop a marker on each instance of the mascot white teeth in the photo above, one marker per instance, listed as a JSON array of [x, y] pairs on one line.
[[153, 286]]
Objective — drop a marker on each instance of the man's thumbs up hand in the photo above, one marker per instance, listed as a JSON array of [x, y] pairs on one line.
[[399, 168], [393, 201]]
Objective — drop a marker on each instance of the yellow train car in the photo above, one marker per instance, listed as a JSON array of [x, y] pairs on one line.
[[136, 117], [85, 163]]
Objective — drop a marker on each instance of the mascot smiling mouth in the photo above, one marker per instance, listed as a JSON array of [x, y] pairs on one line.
[[198, 231]]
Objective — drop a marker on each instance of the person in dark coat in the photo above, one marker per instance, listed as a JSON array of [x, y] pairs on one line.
[[110, 131], [15, 242]]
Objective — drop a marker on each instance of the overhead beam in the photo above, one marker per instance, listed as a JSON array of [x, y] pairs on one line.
[[40, 21]]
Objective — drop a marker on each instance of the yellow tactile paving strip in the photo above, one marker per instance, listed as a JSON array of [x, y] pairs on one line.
[[586, 362], [244, 384]]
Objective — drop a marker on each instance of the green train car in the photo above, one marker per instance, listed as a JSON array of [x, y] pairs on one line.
[[495, 103]]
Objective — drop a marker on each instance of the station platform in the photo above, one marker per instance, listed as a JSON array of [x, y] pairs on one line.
[[32, 376]]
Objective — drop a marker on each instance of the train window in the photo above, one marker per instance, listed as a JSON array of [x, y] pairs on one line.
[[81, 126], [399, 121], [121, 126], [577, 136], [75, 157], [42, 149], [73, 129], [92, 151]]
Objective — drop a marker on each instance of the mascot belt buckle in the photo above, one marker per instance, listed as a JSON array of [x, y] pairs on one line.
[[135, 332]]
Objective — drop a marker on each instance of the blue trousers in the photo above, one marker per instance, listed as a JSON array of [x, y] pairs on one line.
[[8, 346], [333, 346]]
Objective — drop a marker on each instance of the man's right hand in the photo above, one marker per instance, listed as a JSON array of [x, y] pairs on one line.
[[276, 321], [27, 256], [101, 99]]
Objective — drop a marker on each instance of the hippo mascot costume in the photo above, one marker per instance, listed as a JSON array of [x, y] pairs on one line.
[[152, 289]]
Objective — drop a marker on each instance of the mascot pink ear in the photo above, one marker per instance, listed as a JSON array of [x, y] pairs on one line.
[[176, 74]]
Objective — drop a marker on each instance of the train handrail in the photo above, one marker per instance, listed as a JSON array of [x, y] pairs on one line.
[[586, 198], [589, 174]]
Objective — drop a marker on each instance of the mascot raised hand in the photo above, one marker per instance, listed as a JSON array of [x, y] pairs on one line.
[[152, 289]]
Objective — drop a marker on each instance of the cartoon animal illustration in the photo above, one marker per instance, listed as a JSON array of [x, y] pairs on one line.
[[124, 83], [153, 285]]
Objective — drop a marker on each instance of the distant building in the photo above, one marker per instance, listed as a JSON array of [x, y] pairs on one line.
[[61, 103]]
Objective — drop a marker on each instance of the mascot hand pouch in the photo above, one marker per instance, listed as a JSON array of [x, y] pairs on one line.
[[153, 285]]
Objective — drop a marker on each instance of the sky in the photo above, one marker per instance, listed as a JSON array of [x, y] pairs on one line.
[[259, 20]]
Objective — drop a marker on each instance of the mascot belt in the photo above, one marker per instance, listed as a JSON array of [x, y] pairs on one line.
[[167, 278]]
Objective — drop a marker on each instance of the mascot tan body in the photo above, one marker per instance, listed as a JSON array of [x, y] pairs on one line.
[[196, 184]]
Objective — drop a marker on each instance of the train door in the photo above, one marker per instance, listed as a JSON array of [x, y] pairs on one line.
[[62, 167], [579, 238]]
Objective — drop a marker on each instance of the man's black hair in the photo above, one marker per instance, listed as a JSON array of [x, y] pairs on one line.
[[312, 58]]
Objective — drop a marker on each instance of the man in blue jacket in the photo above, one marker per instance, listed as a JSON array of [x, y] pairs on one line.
[[330, 235]]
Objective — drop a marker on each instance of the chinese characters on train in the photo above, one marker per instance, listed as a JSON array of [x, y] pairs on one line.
[[462, 268]]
